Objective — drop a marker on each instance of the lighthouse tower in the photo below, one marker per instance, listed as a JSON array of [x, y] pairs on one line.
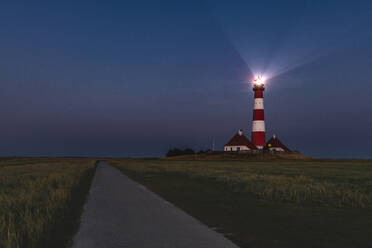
[[258, 125]]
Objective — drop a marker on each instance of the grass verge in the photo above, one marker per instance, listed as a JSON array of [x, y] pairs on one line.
[[41, 200]]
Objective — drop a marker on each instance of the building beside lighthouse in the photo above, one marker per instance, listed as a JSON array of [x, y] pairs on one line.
[[275, 145], [239, 143]]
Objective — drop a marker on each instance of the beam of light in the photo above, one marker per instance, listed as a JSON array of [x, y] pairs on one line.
[[299, 37]]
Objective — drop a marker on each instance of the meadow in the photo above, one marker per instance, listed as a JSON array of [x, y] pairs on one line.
[[41, 200], [271, 202]]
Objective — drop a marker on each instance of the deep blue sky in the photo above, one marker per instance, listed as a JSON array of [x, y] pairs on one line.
[[103, 78]]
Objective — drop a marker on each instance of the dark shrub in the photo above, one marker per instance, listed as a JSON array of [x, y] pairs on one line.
[[179, 152]]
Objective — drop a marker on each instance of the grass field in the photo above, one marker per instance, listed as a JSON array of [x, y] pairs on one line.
[[41, 200], [268, 203]]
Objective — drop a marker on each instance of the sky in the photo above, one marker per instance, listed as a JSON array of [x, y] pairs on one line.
[[135, 78]]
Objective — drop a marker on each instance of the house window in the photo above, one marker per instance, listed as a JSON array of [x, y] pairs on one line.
[[231, 149], [238, 148]]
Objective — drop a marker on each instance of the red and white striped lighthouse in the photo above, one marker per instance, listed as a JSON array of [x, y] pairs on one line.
[[258, 125]]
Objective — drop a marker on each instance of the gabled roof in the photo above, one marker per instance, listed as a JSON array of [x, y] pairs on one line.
[[240, 140], [275, 142]]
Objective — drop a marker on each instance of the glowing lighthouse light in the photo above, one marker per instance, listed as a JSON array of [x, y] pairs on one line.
[[258, 125], [258, 80]]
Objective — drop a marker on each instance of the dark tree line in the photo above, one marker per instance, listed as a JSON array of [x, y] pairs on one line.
[[179, 152], [187, 151]]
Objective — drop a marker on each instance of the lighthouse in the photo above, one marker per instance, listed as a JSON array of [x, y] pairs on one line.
[[240, 143], [258, 125]]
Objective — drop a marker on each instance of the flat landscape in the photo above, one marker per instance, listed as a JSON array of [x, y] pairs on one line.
[[271, 202], [253, 201]]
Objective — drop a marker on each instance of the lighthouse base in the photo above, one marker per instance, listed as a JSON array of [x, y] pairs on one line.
[[258, 139]]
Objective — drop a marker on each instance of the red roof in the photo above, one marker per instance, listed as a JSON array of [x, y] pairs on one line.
[[241, 140], [275, 142]]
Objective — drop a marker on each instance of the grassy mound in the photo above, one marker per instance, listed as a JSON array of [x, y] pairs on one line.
[[240, 156]]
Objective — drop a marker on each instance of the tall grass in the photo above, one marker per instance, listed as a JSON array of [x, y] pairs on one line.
[[335, 183], [35, 195]]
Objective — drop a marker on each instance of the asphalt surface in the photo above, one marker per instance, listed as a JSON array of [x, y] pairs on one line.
[[123, 213]]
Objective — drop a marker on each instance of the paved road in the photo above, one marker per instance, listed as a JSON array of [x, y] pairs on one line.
[[122, 213]]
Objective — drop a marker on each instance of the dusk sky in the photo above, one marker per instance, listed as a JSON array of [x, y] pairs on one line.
[[135, 78]]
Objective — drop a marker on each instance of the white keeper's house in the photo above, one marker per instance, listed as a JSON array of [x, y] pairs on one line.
[[239, 143]]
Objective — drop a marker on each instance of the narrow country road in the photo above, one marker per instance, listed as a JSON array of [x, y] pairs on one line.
[[123, 213]]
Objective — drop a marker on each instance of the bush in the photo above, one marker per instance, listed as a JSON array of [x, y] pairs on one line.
[[179, 152]]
